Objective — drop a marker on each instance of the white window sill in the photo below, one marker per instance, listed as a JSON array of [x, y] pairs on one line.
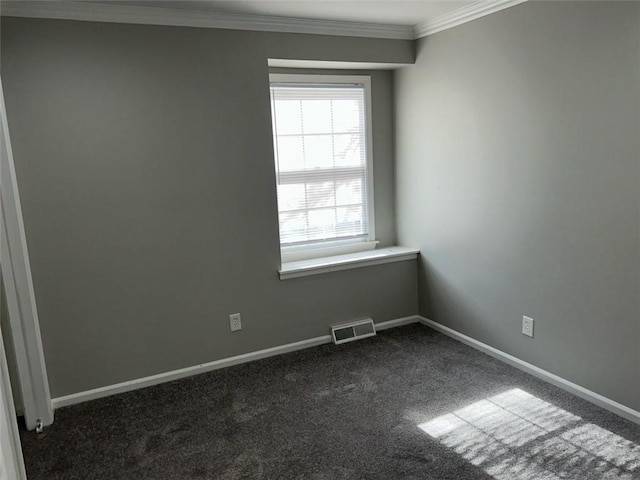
[[296, 254], [347, 261]]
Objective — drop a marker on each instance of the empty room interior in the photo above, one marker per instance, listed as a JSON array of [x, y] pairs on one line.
[[320, 240]]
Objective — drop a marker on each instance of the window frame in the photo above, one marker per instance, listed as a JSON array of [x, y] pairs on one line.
[[333, 247]]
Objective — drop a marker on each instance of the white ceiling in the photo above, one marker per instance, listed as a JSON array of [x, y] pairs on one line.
[[399, 12]]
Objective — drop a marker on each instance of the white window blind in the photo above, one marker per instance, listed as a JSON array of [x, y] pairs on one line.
[[321, 162]]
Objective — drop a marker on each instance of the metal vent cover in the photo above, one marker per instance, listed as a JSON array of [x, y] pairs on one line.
[[348, 332]]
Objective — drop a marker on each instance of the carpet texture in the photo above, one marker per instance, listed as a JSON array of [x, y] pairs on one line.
[[410, 403]]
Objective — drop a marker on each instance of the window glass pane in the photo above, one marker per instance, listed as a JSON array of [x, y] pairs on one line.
[[347, 116], [320, 150], [349, 192], [316, 116], [321, 194], [350, 218], [291, 197], [348, 150], [289, 153], [322, 223], [293, 227], [288, 116]]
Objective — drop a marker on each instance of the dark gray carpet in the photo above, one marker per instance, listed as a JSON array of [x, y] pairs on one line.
[[407, 404]]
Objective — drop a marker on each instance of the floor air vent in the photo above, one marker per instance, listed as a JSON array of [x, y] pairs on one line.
[[348, 332]]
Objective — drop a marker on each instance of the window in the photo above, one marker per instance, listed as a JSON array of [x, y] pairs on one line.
[[321, 137]]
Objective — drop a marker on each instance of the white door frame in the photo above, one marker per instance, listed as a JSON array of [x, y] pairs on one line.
[[16, 274], [11, 460]]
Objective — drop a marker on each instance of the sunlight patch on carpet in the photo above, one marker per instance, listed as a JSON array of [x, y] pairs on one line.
[[517, 436]]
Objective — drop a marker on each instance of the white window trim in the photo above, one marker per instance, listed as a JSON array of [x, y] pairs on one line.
[[337, 247]]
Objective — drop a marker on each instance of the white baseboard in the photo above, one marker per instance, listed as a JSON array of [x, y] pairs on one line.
[[398, 322], [207, 367], [184, 372], [549, 377]]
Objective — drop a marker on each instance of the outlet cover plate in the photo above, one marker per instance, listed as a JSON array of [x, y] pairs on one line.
[[527, 326], [235, 322]]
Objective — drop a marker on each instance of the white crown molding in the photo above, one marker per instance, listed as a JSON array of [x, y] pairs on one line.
[[96, 12], [462, 15], [101, 12]]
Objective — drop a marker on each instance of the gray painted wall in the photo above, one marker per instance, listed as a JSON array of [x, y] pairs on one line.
[[518, 178], [145, 165]]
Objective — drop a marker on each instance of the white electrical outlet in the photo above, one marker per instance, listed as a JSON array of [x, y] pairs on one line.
[[527, 326], [235, 322]]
